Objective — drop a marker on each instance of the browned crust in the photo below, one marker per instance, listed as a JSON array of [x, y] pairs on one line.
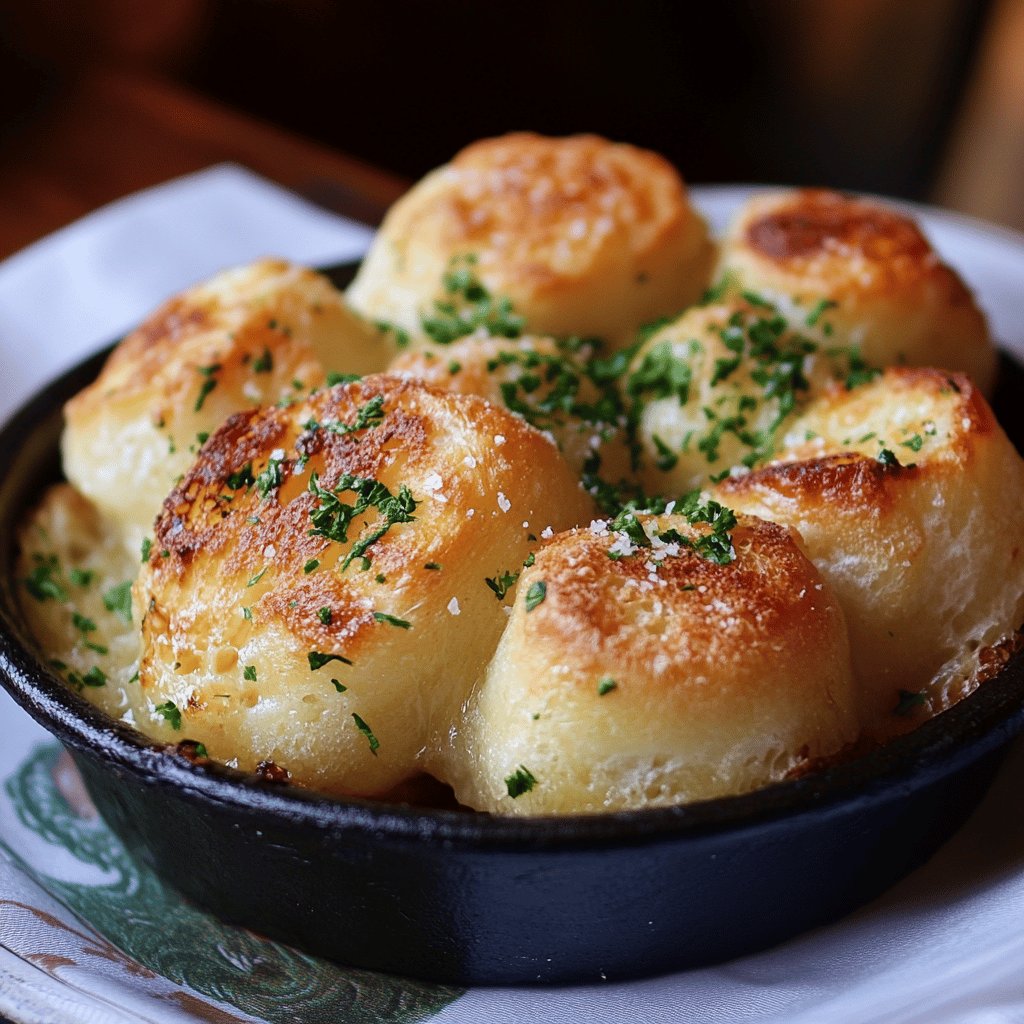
[[598, 611], [808, 226]]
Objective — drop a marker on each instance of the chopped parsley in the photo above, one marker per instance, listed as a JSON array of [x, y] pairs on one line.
[[913, 443], [605, 685], [255, 579], [469, 306], [887, 458], [819, 309], [369, 415], [400, 335], [208, 384], [44, 582], [241, 478], [269, 479], [536, 594], [521, 781], [333, 517], [170, 713], [368, 733], [502, 583], [318, 659], [118, 599], [95, 677], [339, 686], [81, 577], [249, 673], [82, 623], [433, 566], [311, 566], [325, 615], [265, 363], [341, 378], [392, 620]]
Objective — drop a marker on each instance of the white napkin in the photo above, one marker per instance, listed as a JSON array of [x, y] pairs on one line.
[[946, 945], [89, 282]]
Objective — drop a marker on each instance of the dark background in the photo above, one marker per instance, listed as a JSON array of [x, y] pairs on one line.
[[858, 94]]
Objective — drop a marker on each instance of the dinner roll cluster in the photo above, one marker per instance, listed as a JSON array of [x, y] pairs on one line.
[[575, 235], [259, 334], [866, 272], [539, 510], [637, 671]]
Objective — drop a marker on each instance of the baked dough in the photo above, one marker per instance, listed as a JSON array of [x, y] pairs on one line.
[[656, 676], [908, 497], [583, 236], [257, 584], [863, 272], [715, 389], [549, 383], [255, 335]]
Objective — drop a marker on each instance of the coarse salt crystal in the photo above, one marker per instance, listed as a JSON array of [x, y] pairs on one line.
[[503, 503], [270, 551], [499, 439], [469, 461], [547, 532], [470, 512], [433, 482], [453, 606]]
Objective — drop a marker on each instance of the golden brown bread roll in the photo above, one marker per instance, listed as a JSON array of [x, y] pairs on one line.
[[583, 236], [910, 500], [636, 671], [259, 334], [316, 592], [549, 383], [865, 273]]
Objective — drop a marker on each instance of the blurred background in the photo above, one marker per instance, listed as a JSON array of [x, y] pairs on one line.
[[922, 99]]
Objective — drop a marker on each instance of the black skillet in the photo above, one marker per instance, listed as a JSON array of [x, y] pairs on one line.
[[472, 899]]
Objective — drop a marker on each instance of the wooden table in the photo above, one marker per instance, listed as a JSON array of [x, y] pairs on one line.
[[115, 132]]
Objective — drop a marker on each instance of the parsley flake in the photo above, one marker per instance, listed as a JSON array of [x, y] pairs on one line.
[[368, 733], [536, 594], [392, 620], [521, 781], [318, 659], [170, 713]]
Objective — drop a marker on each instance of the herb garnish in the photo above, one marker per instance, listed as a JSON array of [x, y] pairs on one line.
[[470, 306], [171, 714], [521, 781], [536, 594], [392, 620], [367, 732], [118, 599], [318, 659], [502, 583], [333, 517]]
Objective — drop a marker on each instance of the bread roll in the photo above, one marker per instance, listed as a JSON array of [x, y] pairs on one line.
[[347, 538], [255, 335], [865, 273], [643, 676], [910, 500], [582, 236], [75, 578], [714, 389], [551, 384]]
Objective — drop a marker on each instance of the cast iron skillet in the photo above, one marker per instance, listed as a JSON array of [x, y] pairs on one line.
[[472, 899]]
